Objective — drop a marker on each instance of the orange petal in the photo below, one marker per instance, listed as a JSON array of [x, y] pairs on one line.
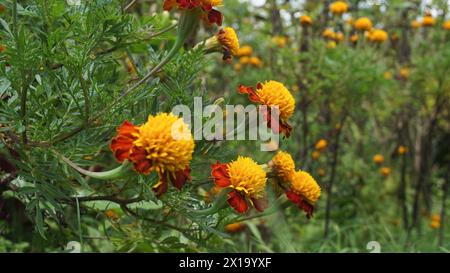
[[298, 200], [139, 158], [220, 174], [181, 177], [242, 89], [237, 202], [215, 16]]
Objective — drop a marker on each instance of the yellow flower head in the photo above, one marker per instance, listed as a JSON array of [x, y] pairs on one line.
[[331, 44], [245, 51], [404, 73], [273, 93], [255, 61], [339, 37], [385, 171], [435, 217], [338, 7], [363, 23], [303, 184], [315, 155], [248, 177], [279, 41], [387, 75], [415, 24], [446, 25], [244, 60], [283, 165], [378, 36], [167, 141], [321, 144], [228, 38], [428, 21], [402, 150], [306, 20], [328, 33], [378, 159]]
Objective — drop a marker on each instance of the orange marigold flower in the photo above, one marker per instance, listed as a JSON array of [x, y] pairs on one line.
[[354, 38], [338, 7], [111, 214], [245, 51], [306, 20], [339, 37], [415, 24], [402, 150], [247, 181], [428, 21], [321, 144], [378, 159], [279, 41], [446, 25], [255, 61], [385, 171], [206, 6], [328, 33], [315, 155], [404, 73], [225, 41], [378, 36], [244, 60], [363, 23], [283, 165], [163, 144], [273, 93], [303, 191]]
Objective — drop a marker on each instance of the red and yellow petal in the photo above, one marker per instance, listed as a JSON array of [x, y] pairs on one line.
[[283, 127], [301, 203], [220, 175], [214, 17], [161, 187], [242, 89], [121, 145], [237, 202], [181, 177], [139, 157]]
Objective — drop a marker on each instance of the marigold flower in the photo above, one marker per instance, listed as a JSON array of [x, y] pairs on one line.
[[283, 165], [306, 20], [163, 144], [244, 60], [378, 159], [303, 191], [235, 227], [225, 41], [321, 144], [279, 41], [378, 36], [111, 214], [245, 51], [363, 23], [321, 172], [404, 73], [338, 7], [387, 75], [446, 25], [415, 24], [402, 150], [209, 14], [315, 155], [385, 171], [255, 61], [247, 181], [328, 33], [428, 21], [339, 37], [435, 217], [354, 38], [273, 93], [331, 44]]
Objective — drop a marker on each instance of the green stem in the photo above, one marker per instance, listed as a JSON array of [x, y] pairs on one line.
[[116, 173], [219, 204]]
